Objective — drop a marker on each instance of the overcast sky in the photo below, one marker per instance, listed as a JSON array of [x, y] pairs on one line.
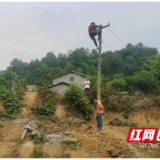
[[29, 30]]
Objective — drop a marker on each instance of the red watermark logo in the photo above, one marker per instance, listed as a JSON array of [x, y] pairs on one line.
[[143, 135]]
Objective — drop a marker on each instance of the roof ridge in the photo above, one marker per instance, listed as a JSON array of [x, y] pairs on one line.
[[73, 71]]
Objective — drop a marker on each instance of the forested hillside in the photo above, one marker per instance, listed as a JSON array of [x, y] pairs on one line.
[[131, 69]]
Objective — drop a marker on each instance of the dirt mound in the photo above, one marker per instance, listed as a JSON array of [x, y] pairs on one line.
[[53, 150], [11, 131], [26, 150], [7, 149]]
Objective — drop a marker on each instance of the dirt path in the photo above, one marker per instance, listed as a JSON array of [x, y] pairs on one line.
[[29, 100], [60, 112]]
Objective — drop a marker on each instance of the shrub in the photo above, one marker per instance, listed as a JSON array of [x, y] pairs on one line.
[[47, 109], [143, 81], [37, 140], [7, 116], [119, 84], [126, 115], [12, 103], [44, 111], [37, 153], [4, 93], [12, 107], [126, 106], [109, 90], [75, 98]]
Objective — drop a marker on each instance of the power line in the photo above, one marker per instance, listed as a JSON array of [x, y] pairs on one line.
[[107, 45], [61, 71], [56, 64], [116, 37], [133, 53]]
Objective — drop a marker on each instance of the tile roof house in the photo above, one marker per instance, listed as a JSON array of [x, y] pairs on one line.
[[61, 84]]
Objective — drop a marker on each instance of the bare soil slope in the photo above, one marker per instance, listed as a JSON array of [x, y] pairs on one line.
[[92, 143]]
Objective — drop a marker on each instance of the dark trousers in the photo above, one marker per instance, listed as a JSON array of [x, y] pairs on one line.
[[92, 36], [99, 120], [86, 89]]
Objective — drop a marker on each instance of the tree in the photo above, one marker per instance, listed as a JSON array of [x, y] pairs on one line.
[[49, 60], [155, 65], [145, 82], [139, 45], [119, 84]]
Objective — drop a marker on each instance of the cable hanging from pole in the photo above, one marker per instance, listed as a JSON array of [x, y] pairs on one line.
[[57, 63], [134, 55]]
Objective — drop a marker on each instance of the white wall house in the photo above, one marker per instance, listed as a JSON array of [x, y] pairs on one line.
[[61, 84], [31, 87]]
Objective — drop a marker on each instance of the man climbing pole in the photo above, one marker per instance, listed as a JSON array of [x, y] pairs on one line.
[[93, 30]]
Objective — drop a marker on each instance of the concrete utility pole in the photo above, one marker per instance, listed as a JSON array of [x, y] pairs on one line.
[[99, 64]]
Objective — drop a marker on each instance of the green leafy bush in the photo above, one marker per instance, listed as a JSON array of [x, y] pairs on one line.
[[119, 84], [5, 115], [48, 108], [44, 111], [143, 81], [75, 98], [37, 140], [127, 106], [12, 106], [4, 93], [11, 103], [37, 153]]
